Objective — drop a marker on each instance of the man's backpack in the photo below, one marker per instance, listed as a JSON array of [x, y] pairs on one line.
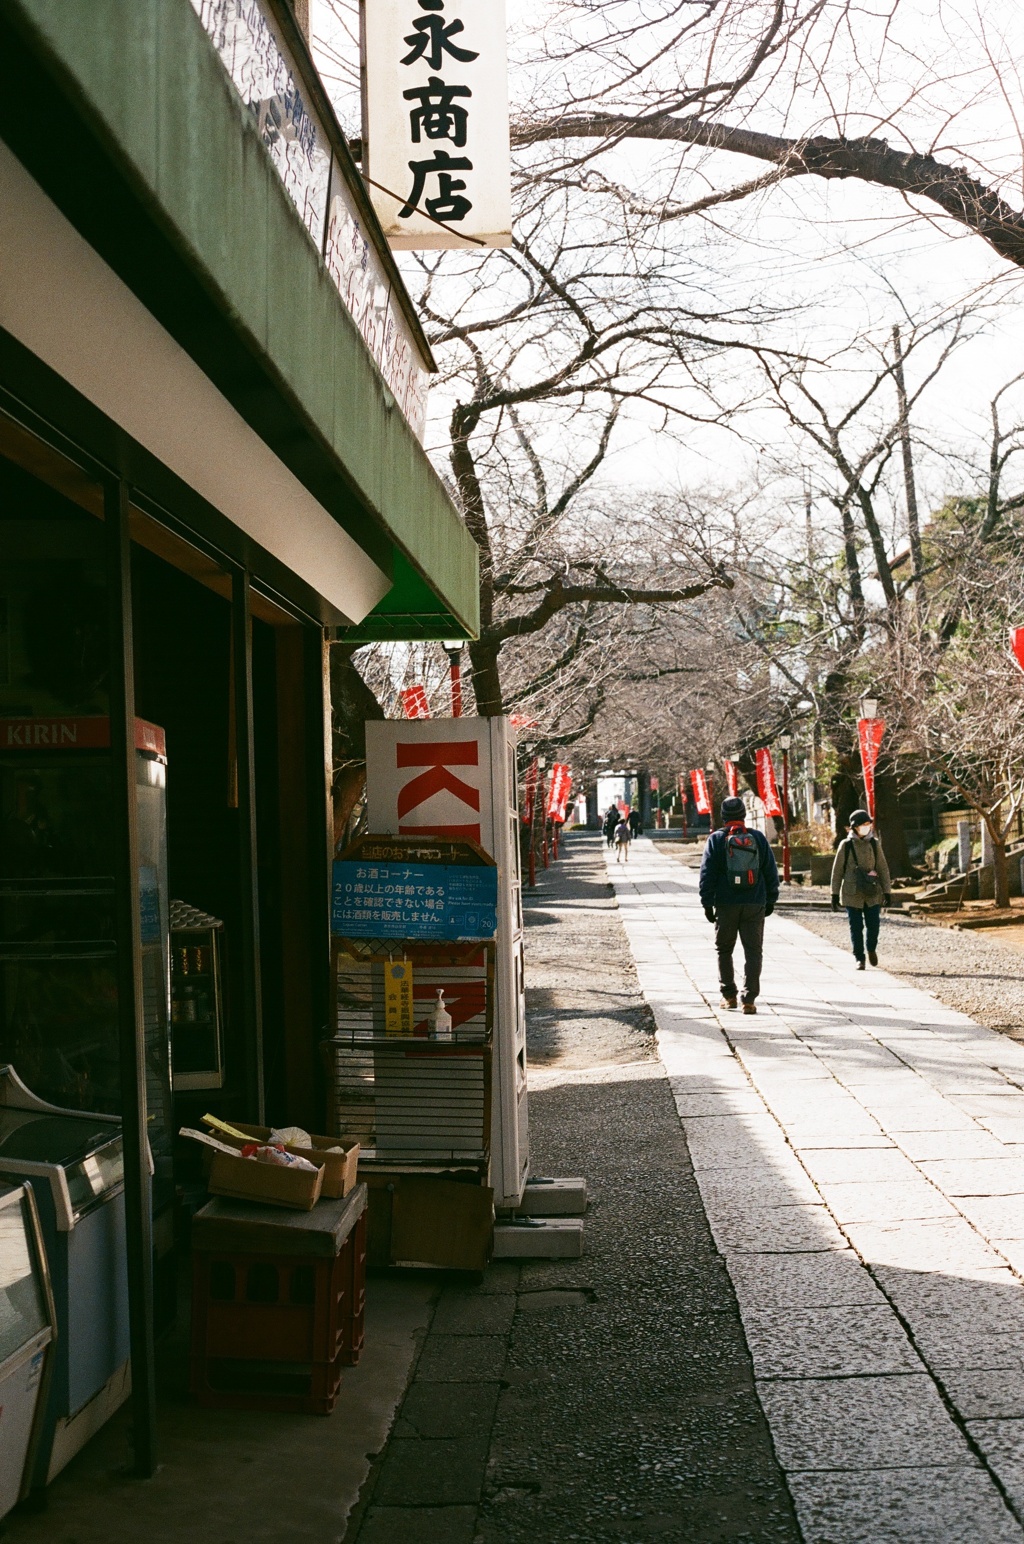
[[742, 860]]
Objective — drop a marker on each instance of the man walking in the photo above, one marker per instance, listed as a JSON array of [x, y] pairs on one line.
[[634, 823], [739, 886]]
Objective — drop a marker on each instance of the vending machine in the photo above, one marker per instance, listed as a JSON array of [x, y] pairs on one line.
[[58, 946], [456, 777]]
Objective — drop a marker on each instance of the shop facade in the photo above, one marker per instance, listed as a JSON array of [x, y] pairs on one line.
[[211, 397]]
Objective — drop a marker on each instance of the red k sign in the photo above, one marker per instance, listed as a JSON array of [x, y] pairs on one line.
[[767, 788], [701, 797], [732, 779], [1017, 645], [870, 732]]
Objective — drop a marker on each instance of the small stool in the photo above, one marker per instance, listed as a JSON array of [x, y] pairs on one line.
[[278, 1303]]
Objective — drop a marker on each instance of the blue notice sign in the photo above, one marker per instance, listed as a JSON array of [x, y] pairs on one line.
[[414, 900]]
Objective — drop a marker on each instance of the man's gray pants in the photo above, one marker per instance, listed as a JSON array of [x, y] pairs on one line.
[[746, 923]]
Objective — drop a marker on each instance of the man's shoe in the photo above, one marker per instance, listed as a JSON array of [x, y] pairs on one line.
[[728, 1002], [872, 956], [860, 964], [750, 1007]]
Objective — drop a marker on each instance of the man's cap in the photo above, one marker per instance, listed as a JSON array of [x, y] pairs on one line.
[[860, 818], [733, 808]]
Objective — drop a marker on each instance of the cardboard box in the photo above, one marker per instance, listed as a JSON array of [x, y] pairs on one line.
[[340, 1170], [247, 1180]]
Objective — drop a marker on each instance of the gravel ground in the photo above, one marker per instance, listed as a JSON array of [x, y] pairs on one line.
[[964, 970], [606, 1400]]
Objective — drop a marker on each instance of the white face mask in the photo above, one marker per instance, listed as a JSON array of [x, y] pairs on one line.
[[863, 831]]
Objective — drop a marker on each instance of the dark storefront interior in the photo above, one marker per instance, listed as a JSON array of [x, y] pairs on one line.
[[59, 1020]]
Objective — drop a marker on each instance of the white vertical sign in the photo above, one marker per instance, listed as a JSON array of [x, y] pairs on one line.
[[436, 121]]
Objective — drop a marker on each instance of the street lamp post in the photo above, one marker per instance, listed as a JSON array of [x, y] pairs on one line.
[[453, 649], [785, 741], [709, 773]]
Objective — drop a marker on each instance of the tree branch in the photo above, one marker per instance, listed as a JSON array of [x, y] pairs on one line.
[[951, 188]]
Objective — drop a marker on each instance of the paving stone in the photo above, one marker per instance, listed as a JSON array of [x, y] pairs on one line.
[[859, 1423], [1002, 1443], [942, 1244], [461, 1359], [447, 1410], [419, 1525], [995, 1217], [980, 1394], [903, 1506], [872, 1166], [923, 1146], [470, 1313], [909, 1201], [826, 1342], [429, 1473], [832, 1279], [990, 1293], [740, 1102], [774, 1230]]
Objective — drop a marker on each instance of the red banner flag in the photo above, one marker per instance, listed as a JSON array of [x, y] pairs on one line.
[[767, 788], [870, 732], [732, 779], [529, 792], [1017, 645], [655, 785], [558, 791], [701, 797], [414, 702]]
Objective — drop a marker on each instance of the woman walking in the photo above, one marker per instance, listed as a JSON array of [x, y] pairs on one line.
[[861, 883], [623, 837]]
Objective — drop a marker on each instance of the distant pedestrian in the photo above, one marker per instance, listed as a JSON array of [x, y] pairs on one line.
[[739, 886], [623, 837], [861, 883], [611, 820], [634, 823]]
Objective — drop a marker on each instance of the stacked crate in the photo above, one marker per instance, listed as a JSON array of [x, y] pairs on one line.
[[278, 1303]]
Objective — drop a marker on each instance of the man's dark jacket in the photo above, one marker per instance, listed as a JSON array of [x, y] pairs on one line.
[[715, 889]]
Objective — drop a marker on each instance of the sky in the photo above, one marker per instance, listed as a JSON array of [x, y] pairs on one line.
[[843, 256]]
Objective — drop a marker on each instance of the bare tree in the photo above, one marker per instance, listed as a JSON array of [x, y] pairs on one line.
[[701, 76], [958, 714]]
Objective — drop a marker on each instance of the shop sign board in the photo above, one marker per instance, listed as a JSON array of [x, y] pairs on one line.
[[455, 778], [437, 132], [256, 56], [413, 901]]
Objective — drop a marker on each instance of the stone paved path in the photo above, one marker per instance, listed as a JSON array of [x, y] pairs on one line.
[[860, 1154], [605, 1400]]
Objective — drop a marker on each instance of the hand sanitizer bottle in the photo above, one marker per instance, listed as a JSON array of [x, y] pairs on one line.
[[442, 1027]]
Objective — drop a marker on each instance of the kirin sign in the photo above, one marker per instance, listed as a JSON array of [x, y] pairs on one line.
[[436, 121]]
